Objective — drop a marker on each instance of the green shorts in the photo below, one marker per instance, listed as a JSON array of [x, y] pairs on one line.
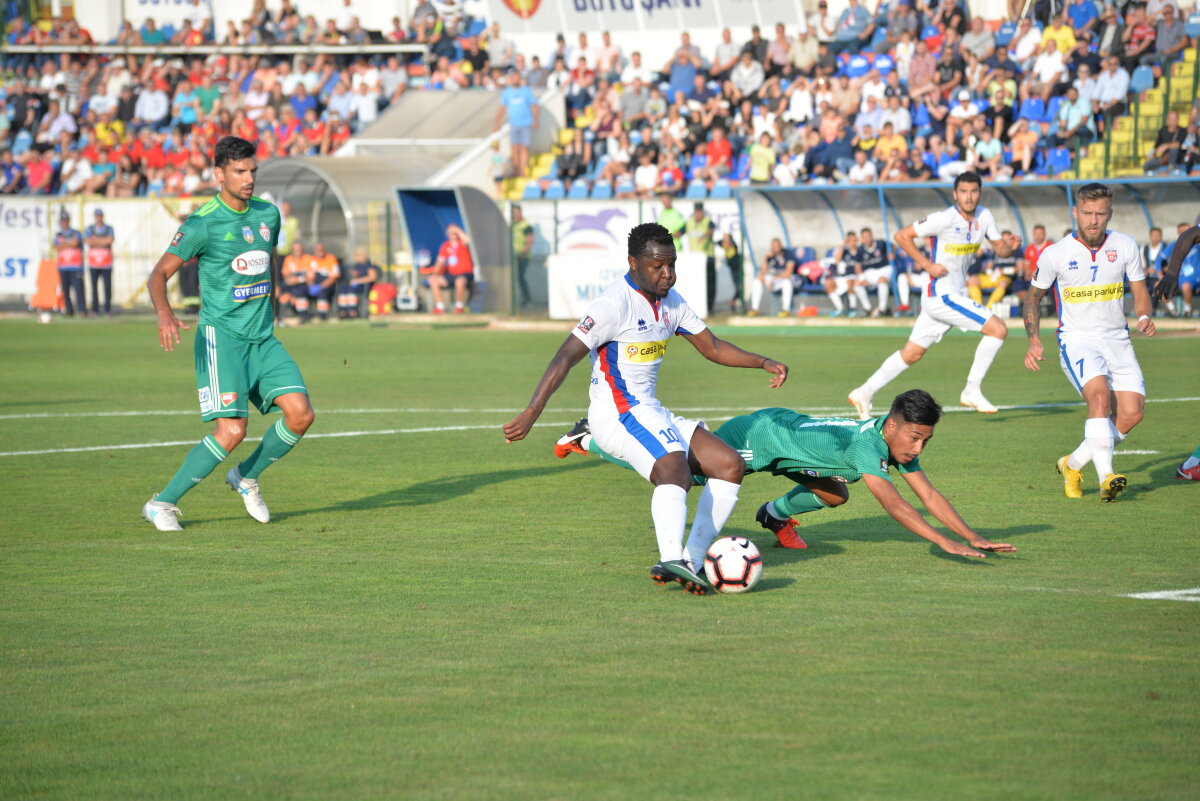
[[232, 373]]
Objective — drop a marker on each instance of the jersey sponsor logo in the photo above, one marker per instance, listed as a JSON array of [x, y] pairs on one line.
[[206, 404], [252, 262], [645, 351], [963, 249], [175, 240], [247, 234], [228, 398], [1112, 256], [586, 324], [245, 292], [264, 232], [1093, 294]]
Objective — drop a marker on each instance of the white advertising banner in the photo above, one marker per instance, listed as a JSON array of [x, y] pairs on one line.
[[577, 279], [25, 234]]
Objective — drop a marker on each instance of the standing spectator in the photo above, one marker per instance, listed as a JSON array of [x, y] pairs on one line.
[[700, 232], [453, 263], [522, 248], [671, 218], [68, 254], [733, 260], [519, 103], [99, 240], [323, 277], [289, 229], [361, 274]]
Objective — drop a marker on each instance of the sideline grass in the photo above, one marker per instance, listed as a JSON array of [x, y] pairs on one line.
[[439, 615]]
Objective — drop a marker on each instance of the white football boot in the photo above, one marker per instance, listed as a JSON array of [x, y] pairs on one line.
[[164, 516], [256, 507], [861, 402], [973, 399]]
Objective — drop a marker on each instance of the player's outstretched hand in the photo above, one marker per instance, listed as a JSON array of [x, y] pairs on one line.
[[168, 330], [993, 547], [1033, 356], [958, 549], [1166, 286], [519, 426], [778, 370]]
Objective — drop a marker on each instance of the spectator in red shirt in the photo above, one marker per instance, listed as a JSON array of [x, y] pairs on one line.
[[38, 174], [1035, 248], [313, 130], [453, 263], [720, 157]]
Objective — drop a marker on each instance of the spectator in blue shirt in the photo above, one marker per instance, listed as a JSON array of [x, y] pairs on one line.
[[518, 102], [682, 70], [854, 29], [1084, 19], [301, 101]]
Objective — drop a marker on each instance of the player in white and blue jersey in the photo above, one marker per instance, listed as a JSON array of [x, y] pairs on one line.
[[957, 234], [626, 331], [1088, 271]]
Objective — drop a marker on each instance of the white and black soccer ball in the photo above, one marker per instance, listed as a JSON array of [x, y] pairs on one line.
[[733, 564]]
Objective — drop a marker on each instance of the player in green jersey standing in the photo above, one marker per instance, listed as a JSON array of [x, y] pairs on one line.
[[238, 359], [823, 455]]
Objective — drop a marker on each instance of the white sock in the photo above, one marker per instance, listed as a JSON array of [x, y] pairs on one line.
[[892, 366], [836, 300], [1080, 456], [1191, 462], [864, 302], [903, 289], [1118, 437], [984, 354], [1098, 433], [668, 507], [716, 505], [786, 295], [756, 293], [773, 512], [883, 290]]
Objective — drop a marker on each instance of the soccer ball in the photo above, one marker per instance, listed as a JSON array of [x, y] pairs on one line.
[[733, 564]]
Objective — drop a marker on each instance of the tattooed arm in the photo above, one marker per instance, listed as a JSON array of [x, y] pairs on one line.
[[1033, 326]]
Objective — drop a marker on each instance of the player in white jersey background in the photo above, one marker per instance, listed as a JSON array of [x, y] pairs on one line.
[[626, 332], [1088, 271], [956, 235]]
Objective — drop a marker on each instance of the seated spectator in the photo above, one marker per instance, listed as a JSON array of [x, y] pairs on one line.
[[645, 177], [987, 156], [1060, 33], [635, 69], [962, 111], [74, 173], [863, 171], [979, 40], [1049, 70], [1112, 87], [762, 160], [1024, 141], [1076, 127], [889, 142], [575, 159], [949, 73], [127, 180], [604, 128], [922, 73], [1138, 38], [776, 62], [747, 78], [719, 158], [775, 275], [620, 154], [361, 274], [1168, 147], [670, 175], [1025, 44], [453, 265], [1110, 38], [1170, 39], [869, 117], [39, 173], [799, 109], [803, 54], [855, 27]]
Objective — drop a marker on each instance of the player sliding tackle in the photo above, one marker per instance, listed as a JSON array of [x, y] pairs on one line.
[[1088, 271], [825, 454], [625, 332]]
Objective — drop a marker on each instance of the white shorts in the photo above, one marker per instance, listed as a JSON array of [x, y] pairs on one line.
[[940, 313], [877, 274], [1084, 358], [776, 283], [643, 435], [841, 284]]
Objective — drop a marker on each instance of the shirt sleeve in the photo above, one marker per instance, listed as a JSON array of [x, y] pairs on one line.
[[992, 231], [189, 239], [1046, 272], [1134, 269], [868, 454], [931, 225], [599, 324], [686, 320]]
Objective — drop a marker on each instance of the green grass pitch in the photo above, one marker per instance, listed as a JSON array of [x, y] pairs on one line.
[[434, 614]]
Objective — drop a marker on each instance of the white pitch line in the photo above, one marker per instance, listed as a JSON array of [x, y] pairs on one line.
[[1192, 594], [1134, 453], [416, 410]]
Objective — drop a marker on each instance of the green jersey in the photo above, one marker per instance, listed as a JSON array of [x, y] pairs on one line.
[[234, 251], [786, 443]]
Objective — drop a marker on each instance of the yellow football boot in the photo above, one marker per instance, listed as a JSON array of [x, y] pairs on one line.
[[1112, 486], [1072, 479]]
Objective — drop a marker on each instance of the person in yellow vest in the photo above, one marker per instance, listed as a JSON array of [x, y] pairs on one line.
[[99, 240], [289, 229], [295, 274], [700, 230], [68, 254], [323, 279]]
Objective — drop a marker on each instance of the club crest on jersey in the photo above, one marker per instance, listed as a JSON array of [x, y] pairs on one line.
[[228, 398], [585, 325], [264, 232], [175, 240], [883, 465], [247, 234], [1112, 255]]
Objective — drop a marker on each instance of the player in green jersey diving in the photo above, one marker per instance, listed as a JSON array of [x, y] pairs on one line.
[[824, 455], [239, 361]]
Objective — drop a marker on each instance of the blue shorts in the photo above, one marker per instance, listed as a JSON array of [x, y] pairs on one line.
[[520, 136]]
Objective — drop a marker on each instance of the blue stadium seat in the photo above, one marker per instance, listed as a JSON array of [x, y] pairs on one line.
[[857, 66], [696, 191], [532, 191], [920, 117], [805, 254], [879, 40], [1006, 33], [884, 63], [602, 190], [1032, 109], [1192, 27], [555, 190], [477, 27], [625, 185], [1058, 161], [579, 190], [696, 162], [1141, 80], [1052, 107], [721, 190], [741, 167]]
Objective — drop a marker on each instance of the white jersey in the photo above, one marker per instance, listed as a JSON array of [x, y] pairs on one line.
[[956, 240], [1089, 285], [627, 336]]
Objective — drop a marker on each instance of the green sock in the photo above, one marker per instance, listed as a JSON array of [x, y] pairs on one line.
[[797, 502], [199, 463], [1196, 453], [274, 446]]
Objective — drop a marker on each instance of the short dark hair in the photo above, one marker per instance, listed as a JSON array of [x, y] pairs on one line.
[[968, 177], [916, 406], [644, 234], [1093, 191], [232, 148]]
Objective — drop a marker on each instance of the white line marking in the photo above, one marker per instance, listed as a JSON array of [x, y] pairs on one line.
[[1168, 595], [846, 409], [1134, 453]]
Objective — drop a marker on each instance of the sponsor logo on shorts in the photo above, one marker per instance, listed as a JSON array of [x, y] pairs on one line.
[[1093, 294], [585, 325], [247, 234], [252, 262], [245, 292], [175, 240], [228, 398], [206, 404], [264, 232], [645, 351], [812, 473]]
